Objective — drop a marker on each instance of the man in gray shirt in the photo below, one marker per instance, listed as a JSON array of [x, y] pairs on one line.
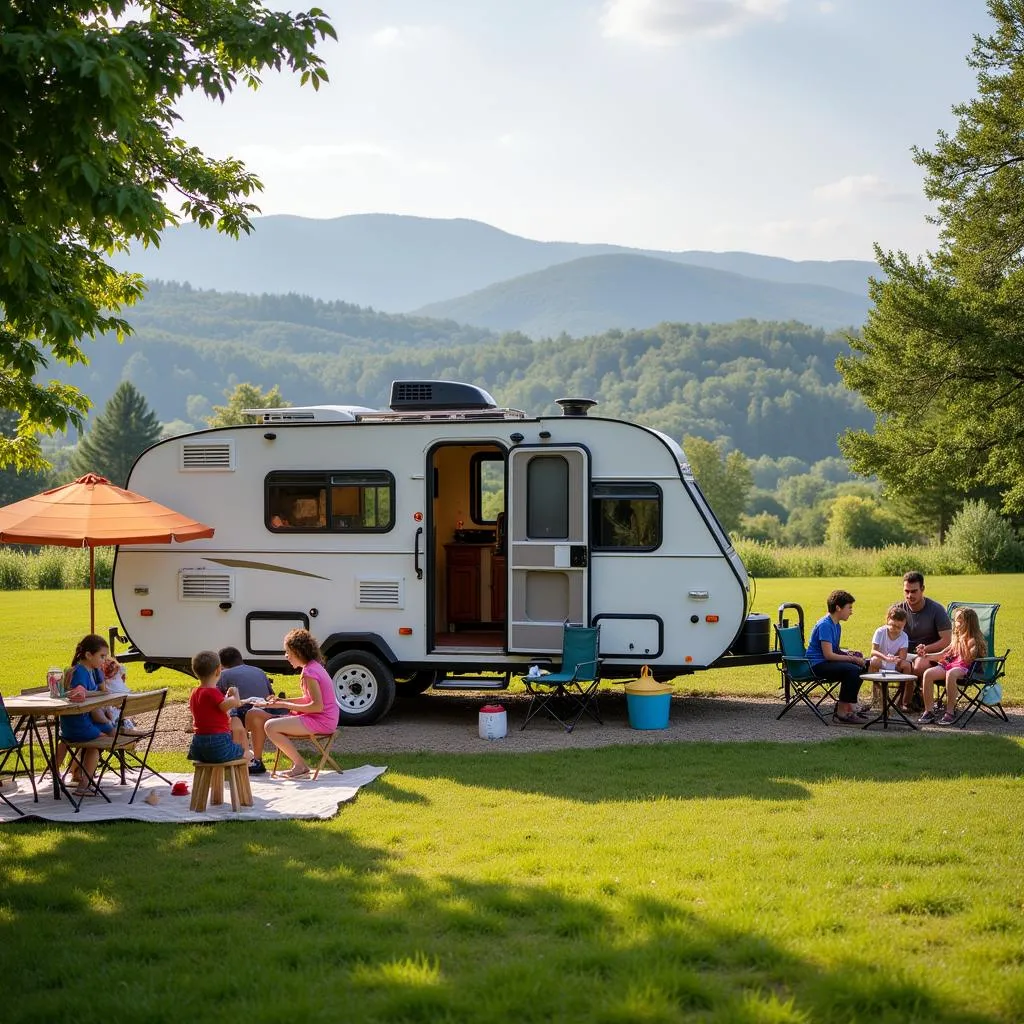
[[248, 679], [928, 626], [251, 682]]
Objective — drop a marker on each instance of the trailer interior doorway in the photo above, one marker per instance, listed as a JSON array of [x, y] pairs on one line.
[[469, 573]]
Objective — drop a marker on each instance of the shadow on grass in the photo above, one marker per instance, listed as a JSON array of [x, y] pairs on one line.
[[294, 920], [760, 771]]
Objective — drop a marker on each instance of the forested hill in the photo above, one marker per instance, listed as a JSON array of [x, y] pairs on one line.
[[769, 388], [597, 293], [401, 263]]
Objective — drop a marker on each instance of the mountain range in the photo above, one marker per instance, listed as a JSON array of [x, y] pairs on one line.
[[478, 274]]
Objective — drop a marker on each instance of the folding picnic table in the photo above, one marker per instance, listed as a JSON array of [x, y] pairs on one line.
[[31, 712]]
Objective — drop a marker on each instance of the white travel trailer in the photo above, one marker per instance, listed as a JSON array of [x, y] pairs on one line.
[[438, 539]]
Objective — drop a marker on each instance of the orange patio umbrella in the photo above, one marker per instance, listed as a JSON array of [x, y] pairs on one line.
[[91, 513]]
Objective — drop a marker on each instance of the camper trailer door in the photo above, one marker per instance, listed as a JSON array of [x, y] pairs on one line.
[[548, 544]]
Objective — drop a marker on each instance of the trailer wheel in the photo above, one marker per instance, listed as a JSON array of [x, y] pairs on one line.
[[414, 684], [363, 687]]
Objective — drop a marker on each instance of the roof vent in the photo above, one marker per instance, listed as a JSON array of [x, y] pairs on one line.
[[575, 406], [424, 395]]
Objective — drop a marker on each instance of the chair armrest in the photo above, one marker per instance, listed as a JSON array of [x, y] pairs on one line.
[[987, 670], [583, 664]]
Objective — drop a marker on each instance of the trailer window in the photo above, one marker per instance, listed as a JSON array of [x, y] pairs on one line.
[[486, 487], [331, 502], [625, 516], [547, 498]]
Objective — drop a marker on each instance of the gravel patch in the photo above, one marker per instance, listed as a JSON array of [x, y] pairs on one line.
[[448, 723]]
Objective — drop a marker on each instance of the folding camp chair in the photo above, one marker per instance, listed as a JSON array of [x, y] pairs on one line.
[[981, 690], [977, 690], [799, 682], [566, 696], [10, 746], [323, 741], [128, 747], [133, 743]]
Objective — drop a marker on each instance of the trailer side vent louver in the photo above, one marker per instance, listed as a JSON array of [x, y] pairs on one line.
[[207, 455], [196, 585], [378, 593]]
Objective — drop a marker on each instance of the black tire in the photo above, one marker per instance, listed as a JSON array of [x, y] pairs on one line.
[[363, 687], [413, 685]]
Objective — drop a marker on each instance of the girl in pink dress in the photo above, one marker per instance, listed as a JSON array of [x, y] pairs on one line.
[[316, 711], [966, 644]]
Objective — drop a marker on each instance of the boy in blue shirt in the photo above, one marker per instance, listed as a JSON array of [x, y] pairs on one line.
[[830, 661]]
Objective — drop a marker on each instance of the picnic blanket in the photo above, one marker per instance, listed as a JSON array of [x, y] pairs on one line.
[[271, 799]]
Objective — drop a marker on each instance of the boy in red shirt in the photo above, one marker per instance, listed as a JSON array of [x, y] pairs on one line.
[[216, 738]]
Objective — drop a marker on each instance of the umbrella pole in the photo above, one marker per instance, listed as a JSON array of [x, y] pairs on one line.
[[92, 589]]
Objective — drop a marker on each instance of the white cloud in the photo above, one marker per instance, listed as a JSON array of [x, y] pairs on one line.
[[857, 187], [827, 7], [391, 35], [402, 37], [664, 22]]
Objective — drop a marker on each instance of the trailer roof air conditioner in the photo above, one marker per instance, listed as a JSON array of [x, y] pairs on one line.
[[424, 395]]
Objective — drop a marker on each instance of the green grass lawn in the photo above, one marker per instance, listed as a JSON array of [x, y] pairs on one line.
[[845, 881], [848, 880]]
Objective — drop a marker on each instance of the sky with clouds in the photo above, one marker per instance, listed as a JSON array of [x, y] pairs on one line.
[[775, 126]]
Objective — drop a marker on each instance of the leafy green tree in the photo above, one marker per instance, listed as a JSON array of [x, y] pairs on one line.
[[802, 491], [17, 484], [941, 359], [245, 396], [125, 428], [806, 527], [759, 500], [768, 471], [859, 522], [984, 541], [762, 527], [91, 153], [725, 479]]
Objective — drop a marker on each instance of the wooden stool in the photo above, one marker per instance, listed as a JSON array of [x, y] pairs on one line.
[[208, 784], [323, 741]]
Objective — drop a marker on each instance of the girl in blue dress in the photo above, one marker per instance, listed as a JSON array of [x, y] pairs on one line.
[[87, 671]]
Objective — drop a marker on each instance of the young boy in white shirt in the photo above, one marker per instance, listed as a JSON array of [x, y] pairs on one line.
[[889, 649]]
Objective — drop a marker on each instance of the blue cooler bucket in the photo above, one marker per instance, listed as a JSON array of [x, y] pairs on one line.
[[648, 702]]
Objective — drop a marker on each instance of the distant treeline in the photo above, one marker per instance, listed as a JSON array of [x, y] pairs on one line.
[[764, 388]]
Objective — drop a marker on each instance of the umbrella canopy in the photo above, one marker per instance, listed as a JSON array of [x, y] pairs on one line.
[[92, 512]]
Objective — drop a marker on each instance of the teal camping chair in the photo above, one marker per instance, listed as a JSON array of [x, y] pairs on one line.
[[10, 746], [566, 696], [981, 689], [799, 683]]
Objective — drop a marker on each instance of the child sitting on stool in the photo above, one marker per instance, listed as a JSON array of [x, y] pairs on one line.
[[216, 738]]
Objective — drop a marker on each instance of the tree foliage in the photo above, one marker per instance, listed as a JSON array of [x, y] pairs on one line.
[[15, 485], [941, 359], [726, 480], [984, 541], [125, 428], [89, 156], [860, 522], [245, 396]]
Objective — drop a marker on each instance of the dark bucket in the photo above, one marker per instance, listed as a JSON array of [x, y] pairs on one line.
[[755, 636]]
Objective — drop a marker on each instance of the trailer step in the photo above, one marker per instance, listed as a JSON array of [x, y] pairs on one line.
[[473, 682]]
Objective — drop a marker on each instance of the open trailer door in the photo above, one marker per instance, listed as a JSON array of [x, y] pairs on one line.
[[548, 545]]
